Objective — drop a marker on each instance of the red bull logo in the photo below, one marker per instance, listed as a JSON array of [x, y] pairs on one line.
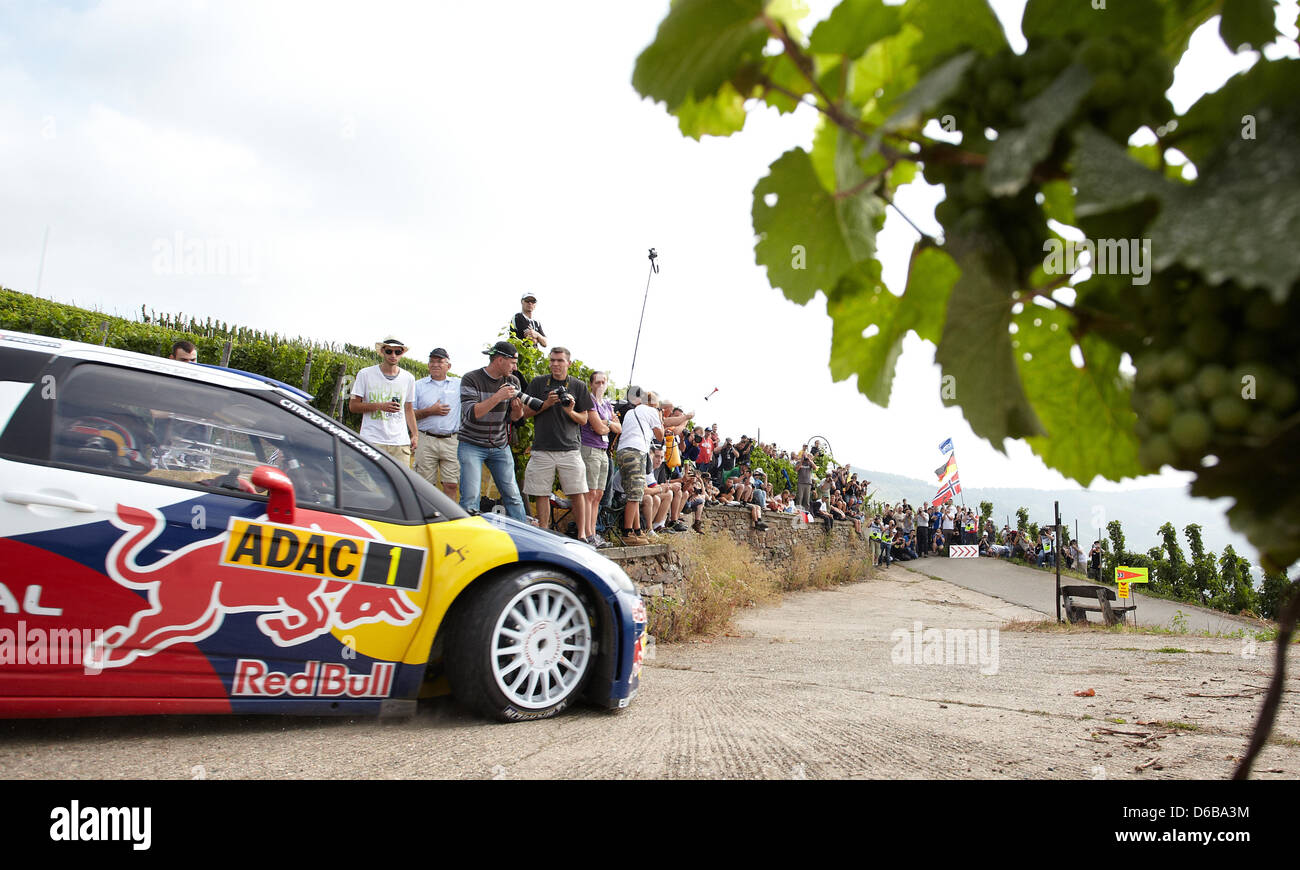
[[305, 582], [253, 679]]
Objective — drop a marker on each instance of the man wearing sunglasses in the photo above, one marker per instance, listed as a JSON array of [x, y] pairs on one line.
[[383, 396]]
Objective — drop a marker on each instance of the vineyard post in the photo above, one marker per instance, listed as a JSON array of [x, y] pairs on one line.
[[103, 327], [225, 354], [1057, 554], [306, 372]]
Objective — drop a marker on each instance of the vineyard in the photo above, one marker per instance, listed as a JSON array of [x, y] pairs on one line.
[[324, 370], [1221, 582]]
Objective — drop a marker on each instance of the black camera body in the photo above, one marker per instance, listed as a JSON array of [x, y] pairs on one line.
[[564, 396]]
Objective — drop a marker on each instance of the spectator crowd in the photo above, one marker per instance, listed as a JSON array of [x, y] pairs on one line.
[[634, 470]]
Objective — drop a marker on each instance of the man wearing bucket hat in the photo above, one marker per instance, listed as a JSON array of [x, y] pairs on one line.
[[382, 395], [490, 398]]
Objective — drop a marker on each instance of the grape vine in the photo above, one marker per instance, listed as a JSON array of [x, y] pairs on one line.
[[1032, 149]]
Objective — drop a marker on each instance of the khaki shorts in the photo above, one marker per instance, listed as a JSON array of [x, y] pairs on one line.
[[631, 467], [437, 455], [597, 461], [400, 452], [543, 466]]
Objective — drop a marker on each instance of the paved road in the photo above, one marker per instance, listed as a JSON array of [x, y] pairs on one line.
[[1036, 589], [818, 686]]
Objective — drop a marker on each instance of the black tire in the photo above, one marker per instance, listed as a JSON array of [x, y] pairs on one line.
[[537, 674]]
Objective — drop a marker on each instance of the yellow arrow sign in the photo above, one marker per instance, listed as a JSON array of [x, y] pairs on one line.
[[1132, 575], [1123, 589]]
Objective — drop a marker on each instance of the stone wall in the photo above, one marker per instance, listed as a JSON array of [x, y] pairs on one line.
[[657, 570]]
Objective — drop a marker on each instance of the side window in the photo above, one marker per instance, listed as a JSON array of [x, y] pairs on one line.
[[124, 421], [365, 487]]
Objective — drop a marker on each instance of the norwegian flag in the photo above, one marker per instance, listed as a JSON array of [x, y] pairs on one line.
[[948, 490]]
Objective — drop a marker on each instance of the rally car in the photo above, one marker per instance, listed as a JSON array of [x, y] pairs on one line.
[[179, 538]]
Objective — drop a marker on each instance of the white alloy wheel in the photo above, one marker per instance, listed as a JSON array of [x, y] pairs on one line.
[[541, 646]]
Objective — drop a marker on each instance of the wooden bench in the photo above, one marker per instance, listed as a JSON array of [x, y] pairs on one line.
[[1079, 600]]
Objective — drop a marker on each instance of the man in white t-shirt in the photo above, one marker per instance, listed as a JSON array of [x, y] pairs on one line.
[[383, 396], [642, 424]]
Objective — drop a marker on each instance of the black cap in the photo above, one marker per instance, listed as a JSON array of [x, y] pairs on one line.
[[502, 348], [439, 352]]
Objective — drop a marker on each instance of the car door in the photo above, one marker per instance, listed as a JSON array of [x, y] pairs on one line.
[[119, 494]]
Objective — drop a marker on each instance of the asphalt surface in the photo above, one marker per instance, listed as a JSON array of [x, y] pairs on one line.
[[816, 686], [1035, 589]]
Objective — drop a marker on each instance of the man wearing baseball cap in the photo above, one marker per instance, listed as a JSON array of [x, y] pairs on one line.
[[524, 326], [437, 412], [490, 398], [382, 395]]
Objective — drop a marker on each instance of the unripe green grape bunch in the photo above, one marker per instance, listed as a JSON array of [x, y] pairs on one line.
[[1130, 77], [1214, 374]]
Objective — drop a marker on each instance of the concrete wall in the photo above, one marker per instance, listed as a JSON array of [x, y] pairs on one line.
[[657, 570]]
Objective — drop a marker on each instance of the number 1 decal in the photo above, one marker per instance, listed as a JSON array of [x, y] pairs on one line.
[[394, 557]]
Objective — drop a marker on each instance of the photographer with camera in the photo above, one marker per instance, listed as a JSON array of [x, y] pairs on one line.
[[567, 407], [489, 399], [1094, 561]]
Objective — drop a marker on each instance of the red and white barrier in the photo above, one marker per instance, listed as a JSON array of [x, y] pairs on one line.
[[963, 551]]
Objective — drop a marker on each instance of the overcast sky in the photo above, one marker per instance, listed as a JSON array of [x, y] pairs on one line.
[[414, 168]]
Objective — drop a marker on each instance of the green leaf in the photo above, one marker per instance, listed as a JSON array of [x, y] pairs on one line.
[[1182, 19], [975, 348], [853, 26], [1248, 23], [1106, 178], [831, 72], [789, 13], [1147, 155], [782, 71], [1016, 152], [903, 172], [826, 140], [1086, 411], [951, 25], [860, 213], [719, 115], [1230, 224], [887, 68], [1046, 19], [808, 238], [1058, 201], [1268, 87], [861, 301], [933, 88], [699, 45]]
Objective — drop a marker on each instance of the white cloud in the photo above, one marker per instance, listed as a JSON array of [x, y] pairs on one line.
[[414, 168]]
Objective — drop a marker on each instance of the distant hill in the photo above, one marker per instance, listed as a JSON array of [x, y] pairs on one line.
[[1141, 511]]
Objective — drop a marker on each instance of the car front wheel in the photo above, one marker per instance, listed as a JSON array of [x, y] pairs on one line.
[[523, 647]]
